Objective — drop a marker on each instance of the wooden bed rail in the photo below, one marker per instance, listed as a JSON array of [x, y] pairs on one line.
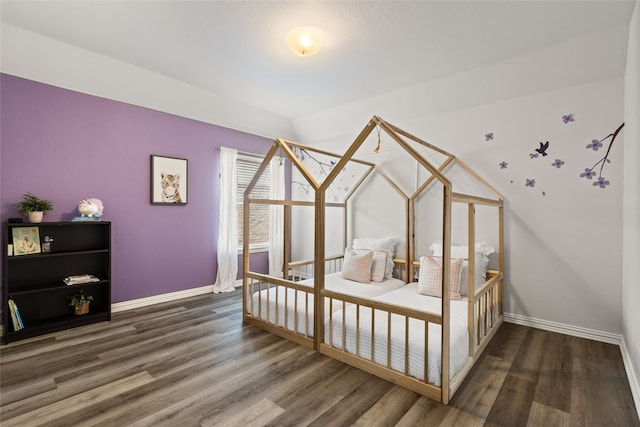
[[487, 317], [357, 357], [487, 309], [310, 261], [300, 270], [265, 294]]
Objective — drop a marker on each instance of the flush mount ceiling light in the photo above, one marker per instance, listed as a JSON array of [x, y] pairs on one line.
[[304, 41]]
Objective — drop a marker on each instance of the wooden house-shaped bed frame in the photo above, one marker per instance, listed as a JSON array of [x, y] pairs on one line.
[[311, 303]]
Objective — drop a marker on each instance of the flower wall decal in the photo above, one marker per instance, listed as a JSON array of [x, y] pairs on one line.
[[601, 182], [488, 136], [588, 173], [593, 173], [595, 145]]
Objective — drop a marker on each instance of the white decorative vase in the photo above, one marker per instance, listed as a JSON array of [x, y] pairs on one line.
[[35, 217]]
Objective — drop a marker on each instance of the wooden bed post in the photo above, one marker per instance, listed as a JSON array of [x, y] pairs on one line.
[[446, 309], [318, 271], [501, 258], [411, 245], [287, 241], [345, 216], [471, 324], [245, 254]]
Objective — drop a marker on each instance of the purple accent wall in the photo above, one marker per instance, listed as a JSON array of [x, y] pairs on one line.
[[66, 146]]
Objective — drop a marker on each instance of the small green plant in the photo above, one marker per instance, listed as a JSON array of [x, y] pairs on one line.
[[79, 299], [31, 203]]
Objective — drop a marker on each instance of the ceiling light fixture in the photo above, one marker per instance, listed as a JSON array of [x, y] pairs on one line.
[[304, 41]]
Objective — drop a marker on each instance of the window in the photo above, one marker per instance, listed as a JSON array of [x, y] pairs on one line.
[[259, 215]]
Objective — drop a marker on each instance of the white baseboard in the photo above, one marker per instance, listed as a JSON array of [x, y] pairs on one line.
[[171, 296], [631, 374], [157, 299], [575, 331]]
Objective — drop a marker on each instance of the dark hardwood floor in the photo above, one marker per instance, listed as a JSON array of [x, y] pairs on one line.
[[192, 363]]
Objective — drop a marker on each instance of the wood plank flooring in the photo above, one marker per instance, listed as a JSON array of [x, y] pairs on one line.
[[192, 363]]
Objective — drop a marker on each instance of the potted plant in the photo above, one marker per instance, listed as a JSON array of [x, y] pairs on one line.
[[33, 207], [80, 302]]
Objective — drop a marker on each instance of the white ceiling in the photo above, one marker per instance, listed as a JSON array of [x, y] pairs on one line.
[[236, 48]]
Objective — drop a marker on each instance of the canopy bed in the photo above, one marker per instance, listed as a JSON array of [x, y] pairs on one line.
[[419, 318]]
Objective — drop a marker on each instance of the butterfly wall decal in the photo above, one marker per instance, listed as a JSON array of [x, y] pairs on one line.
[[543, 148]]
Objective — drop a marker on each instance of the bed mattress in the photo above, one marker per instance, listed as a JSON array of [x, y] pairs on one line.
[[406, 296], [279, 303]]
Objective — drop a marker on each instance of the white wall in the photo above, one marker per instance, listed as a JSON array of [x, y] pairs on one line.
[[631, 211], [563, 237], [43, 59]]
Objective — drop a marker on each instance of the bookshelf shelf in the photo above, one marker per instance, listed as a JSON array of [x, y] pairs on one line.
[[55, 254], [35, 281], [55, 287]]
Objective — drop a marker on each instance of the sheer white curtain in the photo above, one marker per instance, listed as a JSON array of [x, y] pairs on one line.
[[228, 227], [276, 218]]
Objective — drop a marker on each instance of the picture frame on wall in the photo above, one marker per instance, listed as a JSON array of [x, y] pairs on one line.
[[169, 180]]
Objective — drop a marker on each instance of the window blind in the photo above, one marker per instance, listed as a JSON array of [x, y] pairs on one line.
[[247, 167]]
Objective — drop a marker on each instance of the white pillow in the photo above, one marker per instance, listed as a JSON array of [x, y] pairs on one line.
[[430, 277], [378, 264], [386, 244], [462, 251], [356, 266], [483, 249]]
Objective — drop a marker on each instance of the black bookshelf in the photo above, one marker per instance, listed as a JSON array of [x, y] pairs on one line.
[[35, 281]]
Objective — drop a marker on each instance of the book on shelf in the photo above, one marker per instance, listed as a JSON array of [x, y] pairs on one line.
[[18, 316], [26, 240], [80, 279], [16, 319]]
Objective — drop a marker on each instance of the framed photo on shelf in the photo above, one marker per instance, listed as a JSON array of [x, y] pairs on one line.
[[169, 180], [26, 240]]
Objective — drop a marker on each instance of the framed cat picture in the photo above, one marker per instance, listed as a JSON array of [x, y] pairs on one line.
[[169, 180]]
